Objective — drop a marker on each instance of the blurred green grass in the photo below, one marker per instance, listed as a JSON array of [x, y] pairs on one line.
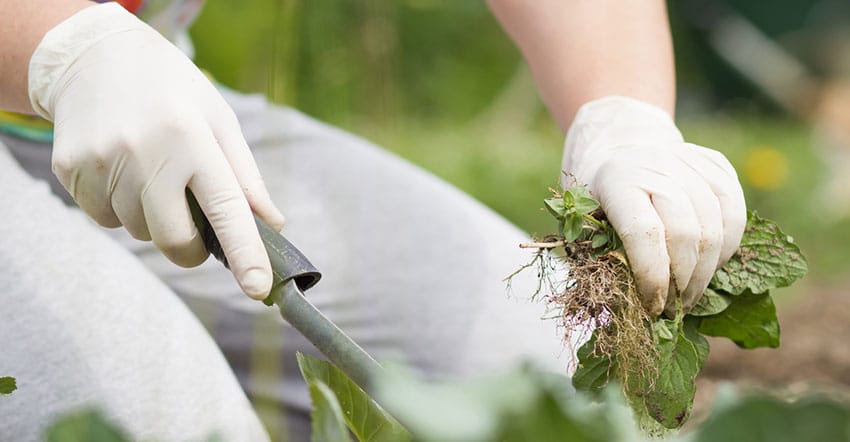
[[511, 172], [437, 82]]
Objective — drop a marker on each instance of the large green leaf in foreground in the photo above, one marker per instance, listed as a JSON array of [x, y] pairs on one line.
[[364, 417], [328, 419], [766, 419], [519, 406]]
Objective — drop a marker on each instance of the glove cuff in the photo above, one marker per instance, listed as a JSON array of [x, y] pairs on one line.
[[607, 123], [63, 44]]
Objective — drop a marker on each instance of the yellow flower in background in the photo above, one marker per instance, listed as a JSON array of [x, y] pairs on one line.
[[765, 168]]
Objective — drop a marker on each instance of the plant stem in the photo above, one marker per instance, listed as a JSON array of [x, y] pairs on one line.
[[542, 245], [594, 221]]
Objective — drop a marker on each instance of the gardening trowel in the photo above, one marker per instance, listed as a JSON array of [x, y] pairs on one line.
[[294, 274]]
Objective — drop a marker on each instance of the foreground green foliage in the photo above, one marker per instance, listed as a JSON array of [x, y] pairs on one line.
[[527, 404], [522, 405], [761, 418], [85, 426], [332, 390], [328, 423]]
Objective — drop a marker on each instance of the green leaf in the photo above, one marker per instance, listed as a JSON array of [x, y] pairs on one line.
[[578, 192], [750, 321], [365, 418], [691, 329], [569, 199], [711, 303], [545, 421], [328, 422], [668, 398], [766, 419], [599, 240], [573, 227], [593, 370], [585, 205], [7, 385], [555, 206], [86, 426], [518, 406], [664, 330], [766, 259]]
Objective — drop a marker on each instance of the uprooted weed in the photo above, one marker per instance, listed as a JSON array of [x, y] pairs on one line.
[[601, 294], [588, 289]]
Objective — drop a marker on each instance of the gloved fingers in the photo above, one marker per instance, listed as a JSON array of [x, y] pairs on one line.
[[85, 182], [710, 237], [238, 154], [734, 212], [633, 216], [169, 218], [718, 172], [221, 199], [681, 226], [127, 204]]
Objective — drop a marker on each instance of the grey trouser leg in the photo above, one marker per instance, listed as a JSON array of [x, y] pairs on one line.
[[83, 324]]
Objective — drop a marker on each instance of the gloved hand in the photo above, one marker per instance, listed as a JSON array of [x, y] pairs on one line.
[[136, 123], [678, 207]]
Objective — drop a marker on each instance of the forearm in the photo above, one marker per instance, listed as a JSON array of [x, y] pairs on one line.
[[22, 26], [580, 50]]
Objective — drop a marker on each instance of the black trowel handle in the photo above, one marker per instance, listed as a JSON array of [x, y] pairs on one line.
[[288, 263]]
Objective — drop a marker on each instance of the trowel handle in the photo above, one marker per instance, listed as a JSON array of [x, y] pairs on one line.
[[288, 263]]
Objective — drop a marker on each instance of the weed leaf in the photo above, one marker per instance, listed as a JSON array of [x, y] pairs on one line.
[[691, 330], [750, 321], [586, 205], [668, 398], [599, 240], [593, 370], [555, 206], [766, 259], [572, 227], [711, 303]]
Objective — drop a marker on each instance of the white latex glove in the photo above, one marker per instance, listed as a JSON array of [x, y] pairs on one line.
[[136, 123], [678, 207]]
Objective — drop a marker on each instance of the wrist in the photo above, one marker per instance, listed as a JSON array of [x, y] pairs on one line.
[[22, 26], [66, 42]]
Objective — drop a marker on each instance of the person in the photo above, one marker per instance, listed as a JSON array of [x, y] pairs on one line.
[[412, 266]]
